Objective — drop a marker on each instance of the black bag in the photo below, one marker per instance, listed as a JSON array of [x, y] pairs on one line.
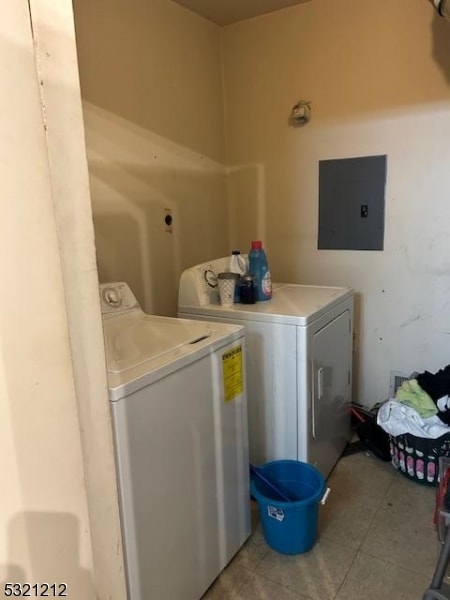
[[372, 436]]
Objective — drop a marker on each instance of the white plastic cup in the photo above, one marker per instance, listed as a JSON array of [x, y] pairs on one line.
[[227, 283]]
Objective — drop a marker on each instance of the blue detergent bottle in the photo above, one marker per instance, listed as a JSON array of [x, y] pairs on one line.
[[258, 266]]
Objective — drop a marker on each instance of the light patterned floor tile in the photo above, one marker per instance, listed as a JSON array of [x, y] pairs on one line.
[[403, 539], [317, 574], [362, 478], [259, 587], [411, 498], [344, 519], [253, 551], [228, 584], [374, 579]]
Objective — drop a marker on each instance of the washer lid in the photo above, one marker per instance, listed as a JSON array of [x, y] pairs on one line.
[[141, 348], [291, 304]]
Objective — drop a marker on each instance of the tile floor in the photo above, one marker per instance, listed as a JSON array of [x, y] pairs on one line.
[[376, 541]]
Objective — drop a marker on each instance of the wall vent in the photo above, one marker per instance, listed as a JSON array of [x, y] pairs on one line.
[[397, 378]]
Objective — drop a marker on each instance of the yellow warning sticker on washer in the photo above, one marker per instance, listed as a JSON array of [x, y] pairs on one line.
[[232, 373]]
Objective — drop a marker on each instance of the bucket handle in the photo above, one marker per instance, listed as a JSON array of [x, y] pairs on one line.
[[325, 496]]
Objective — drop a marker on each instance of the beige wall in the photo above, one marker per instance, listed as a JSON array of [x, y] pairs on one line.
[[378, 78], [153, 103], [54, 39], [58, 504]]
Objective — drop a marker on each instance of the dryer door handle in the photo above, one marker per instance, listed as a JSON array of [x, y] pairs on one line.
[[317, 397], [320, 375]]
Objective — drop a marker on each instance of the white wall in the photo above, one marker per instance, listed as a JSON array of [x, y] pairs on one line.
[[52, 376], [43, 506], [378, 78], [153, 103]]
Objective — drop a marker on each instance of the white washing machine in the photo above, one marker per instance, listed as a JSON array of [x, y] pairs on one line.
[[299, 364], [179, 409]]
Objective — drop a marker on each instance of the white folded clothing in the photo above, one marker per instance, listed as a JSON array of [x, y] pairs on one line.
[[396, 419], [443, 403]]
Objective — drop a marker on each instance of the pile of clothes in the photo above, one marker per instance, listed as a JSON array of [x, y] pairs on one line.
[[421, 406]]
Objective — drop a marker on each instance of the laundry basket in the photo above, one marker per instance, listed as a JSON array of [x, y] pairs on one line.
[[418, 458]]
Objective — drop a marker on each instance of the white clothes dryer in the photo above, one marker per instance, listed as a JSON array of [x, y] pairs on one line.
[[178, 400], [299, 364]]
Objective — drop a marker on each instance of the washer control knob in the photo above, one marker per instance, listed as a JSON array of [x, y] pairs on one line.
[[112, 297]]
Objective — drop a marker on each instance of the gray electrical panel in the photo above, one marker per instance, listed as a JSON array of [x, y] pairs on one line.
[[351, 203]]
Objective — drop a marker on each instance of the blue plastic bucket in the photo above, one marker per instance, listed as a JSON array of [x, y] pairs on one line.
[[289, 527]]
